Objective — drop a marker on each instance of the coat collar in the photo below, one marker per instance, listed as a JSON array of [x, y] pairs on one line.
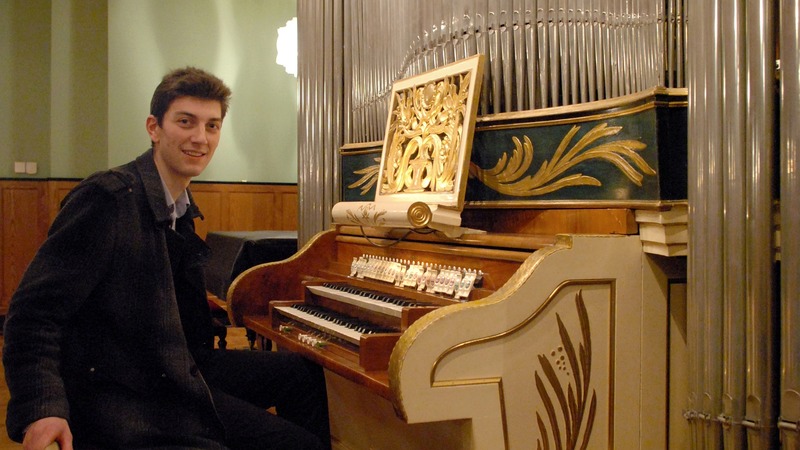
[[154, 190]]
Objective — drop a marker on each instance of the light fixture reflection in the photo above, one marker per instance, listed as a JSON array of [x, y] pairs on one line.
[[287, 46]]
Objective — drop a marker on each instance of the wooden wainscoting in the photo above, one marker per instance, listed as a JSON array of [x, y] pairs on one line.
[[29, 206], [23, 228], [245, 207]]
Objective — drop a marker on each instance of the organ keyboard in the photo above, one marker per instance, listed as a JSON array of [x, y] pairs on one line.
[[365, 321], [329, 304], [373, 300]]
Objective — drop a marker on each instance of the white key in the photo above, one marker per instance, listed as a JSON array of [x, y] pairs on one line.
[[340, 331], [388, 309]]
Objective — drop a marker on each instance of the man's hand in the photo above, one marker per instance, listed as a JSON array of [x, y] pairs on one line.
[[45, 431]]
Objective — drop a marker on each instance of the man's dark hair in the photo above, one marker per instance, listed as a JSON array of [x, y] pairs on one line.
[[188, 82]]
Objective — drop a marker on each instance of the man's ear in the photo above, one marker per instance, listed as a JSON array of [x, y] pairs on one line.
[[151, 124]]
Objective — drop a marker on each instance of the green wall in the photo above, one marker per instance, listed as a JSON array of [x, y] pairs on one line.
[[24, 84], [79, 88], [76, 92]]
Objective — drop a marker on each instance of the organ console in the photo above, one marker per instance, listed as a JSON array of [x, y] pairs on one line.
[[539, 322], [350, 323], [563, 339]]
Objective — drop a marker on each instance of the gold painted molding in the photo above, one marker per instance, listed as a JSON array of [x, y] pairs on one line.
[[590, 111]]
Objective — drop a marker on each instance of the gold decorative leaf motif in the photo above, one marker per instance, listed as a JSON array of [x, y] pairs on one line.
[[369, 176], [507, 175], [571, 425], [366, 215], [424, 137]]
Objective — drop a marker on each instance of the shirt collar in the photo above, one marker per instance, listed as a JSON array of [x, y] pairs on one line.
[[177, 208]]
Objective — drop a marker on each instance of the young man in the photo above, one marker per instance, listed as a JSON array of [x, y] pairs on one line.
[[108, 339]]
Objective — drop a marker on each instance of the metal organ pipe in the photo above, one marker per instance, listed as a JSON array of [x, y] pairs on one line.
[[540, 53]]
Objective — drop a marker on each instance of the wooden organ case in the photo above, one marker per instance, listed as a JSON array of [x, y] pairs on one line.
[[561, 339]]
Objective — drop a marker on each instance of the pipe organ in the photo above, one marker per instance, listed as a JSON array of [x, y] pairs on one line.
[[732, 317]]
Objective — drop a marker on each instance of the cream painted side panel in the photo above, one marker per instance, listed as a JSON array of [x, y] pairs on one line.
[[361, 420], [566, 351]]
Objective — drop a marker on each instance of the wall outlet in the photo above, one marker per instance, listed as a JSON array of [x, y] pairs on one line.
[[31, 167], [19, 167]]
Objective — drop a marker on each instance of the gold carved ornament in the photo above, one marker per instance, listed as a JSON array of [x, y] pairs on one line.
[[507, 175], [369, 176], [424, 137]]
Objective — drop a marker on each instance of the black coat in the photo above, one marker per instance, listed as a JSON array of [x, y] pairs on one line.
[[94, 332]]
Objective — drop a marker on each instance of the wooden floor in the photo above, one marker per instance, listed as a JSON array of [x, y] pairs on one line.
[[5, 442], [236, 340]]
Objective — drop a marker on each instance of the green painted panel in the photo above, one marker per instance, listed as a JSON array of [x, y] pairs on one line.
[[630, 153]]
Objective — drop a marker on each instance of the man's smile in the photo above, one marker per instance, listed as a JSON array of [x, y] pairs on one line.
[[194, 153]]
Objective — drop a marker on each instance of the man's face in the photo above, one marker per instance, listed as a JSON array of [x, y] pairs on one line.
[[185, 141]]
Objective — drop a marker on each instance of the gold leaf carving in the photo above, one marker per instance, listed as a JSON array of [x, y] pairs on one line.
[[508, 175], [424, 137], [369, 176], [571, 414]]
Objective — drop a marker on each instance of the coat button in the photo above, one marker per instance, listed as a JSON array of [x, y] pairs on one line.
[[194, 370]]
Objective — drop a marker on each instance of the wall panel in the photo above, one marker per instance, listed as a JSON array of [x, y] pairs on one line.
[[29, 207], [212, 206], [253, 210], [24, 227], [290, 203]]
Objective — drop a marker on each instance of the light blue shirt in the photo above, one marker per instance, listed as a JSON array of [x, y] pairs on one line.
[[177, 207]]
